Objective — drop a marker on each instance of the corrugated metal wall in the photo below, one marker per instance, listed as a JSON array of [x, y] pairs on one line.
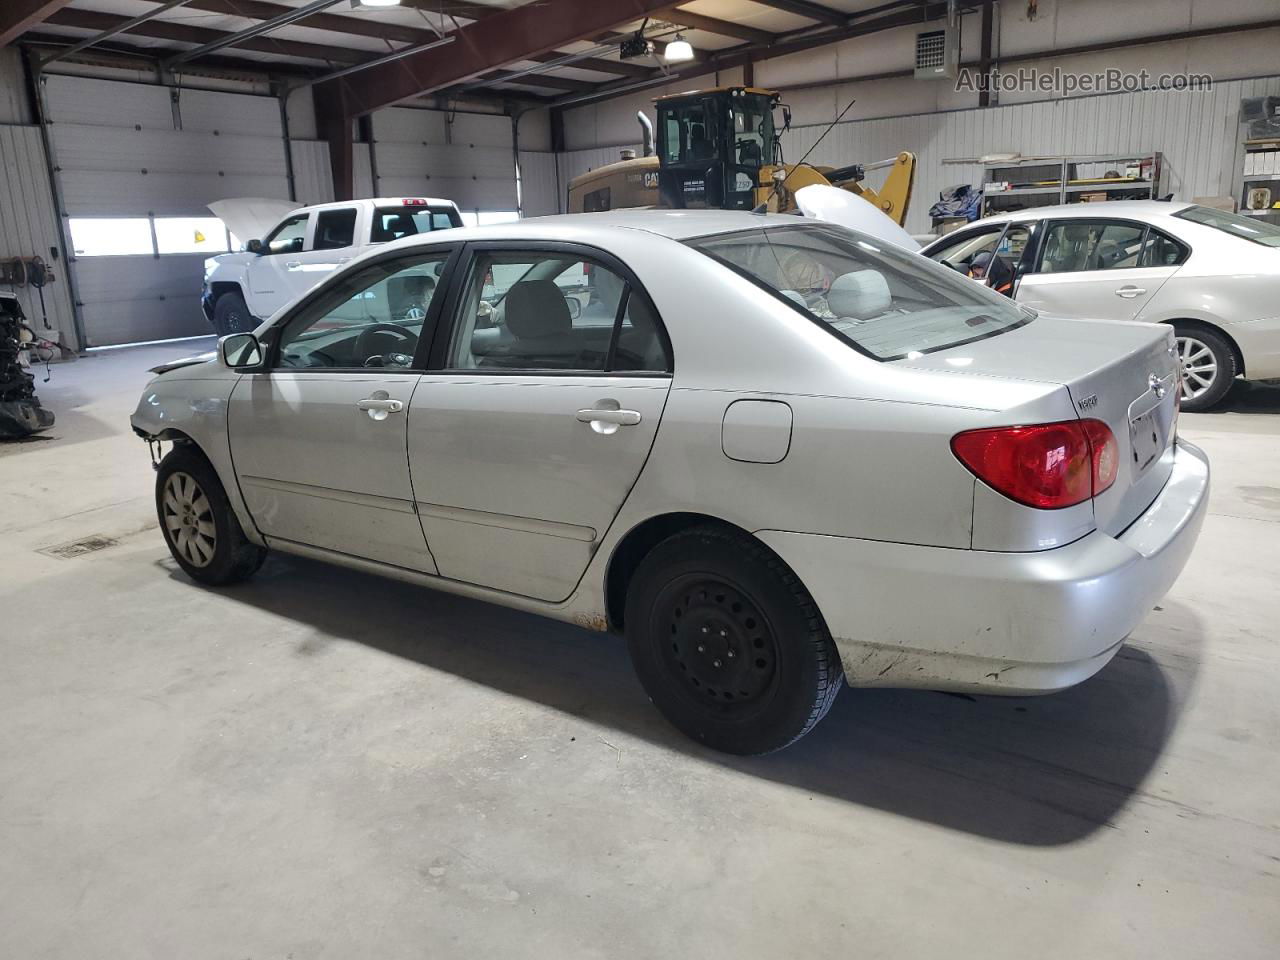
[[539, 191], [128, 149], [462, 157], [29, 225], [1198, 133]]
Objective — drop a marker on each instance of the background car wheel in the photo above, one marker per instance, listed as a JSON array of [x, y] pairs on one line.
[[231, 315], [199, 525], [728, 643], [1208, 367]]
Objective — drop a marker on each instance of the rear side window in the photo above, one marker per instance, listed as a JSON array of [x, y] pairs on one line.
[[1071, 246], [392, 223], [1162, 250], [335, 229], [887, 303]]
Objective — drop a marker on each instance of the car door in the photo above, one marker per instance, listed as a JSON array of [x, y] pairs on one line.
[[537, 415], [319, 436], [270, 286], [330, 244], [1096, 267]]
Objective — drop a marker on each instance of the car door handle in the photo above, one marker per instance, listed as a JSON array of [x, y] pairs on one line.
[[293, 264], [621, 418], [1129, 292], [379, 405]]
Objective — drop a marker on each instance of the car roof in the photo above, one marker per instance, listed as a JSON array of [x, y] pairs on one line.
[[1137, 209], [379, 201], [675, 224]]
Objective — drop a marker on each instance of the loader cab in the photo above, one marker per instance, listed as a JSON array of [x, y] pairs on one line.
[[712, 145]]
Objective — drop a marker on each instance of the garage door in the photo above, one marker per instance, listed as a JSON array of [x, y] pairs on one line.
[[137, 164]]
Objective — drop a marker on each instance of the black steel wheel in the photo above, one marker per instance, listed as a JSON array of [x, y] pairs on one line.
[[231, 315], [728, 644]]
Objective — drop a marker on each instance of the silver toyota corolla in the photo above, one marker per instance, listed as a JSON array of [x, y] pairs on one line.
[[776, 455]]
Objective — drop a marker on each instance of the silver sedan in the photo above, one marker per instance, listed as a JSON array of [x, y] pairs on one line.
[[774, 454]]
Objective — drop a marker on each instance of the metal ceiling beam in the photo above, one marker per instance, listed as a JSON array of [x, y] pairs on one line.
[[19, 16], [506, 37], [112, 52], [185, 33], [908, 12], [808, 10], [110, 32], [696, 21], [540, 80], [238, 38]]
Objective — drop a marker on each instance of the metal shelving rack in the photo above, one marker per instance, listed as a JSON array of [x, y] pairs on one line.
[[1076, 178], [1269, 180]]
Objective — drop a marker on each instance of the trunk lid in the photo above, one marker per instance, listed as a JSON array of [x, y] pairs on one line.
[[1124, 374]]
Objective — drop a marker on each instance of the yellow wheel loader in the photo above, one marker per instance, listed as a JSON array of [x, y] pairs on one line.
[[719, 149]]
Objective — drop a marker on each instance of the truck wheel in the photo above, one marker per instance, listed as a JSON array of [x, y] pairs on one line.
[[1208, 366], [728, 643], [198, 523], [231, 315]]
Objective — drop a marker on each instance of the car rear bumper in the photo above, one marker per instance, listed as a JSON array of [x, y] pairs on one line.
[[1016, 623]]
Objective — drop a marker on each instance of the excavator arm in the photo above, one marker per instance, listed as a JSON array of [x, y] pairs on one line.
[[894, 194]]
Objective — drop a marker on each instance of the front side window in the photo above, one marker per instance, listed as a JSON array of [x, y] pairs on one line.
[[887, 303], [393, 223], [552, 311], [288, 237], [687, 135], [372, 318], [959, 252], [1246, 228], [752, 130], [335, 229], [1072, 246]]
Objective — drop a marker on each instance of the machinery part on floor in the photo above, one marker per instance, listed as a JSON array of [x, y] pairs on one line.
[[720, 149], [20, 411]]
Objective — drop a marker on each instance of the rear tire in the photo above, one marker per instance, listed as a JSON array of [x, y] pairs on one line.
[[231, 315], [1208, 366], [728, 643], [197, 521]]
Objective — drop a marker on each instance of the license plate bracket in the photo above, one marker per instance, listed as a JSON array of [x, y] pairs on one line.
[[1144, 440]]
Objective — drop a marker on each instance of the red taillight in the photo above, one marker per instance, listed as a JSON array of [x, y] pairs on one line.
[[1047, 465]]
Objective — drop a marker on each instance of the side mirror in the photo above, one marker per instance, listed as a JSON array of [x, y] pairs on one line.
[[239, 351], [254, 246], [575, 307]]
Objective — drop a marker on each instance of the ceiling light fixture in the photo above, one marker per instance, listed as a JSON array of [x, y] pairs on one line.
[[357, 4], [678, 50]]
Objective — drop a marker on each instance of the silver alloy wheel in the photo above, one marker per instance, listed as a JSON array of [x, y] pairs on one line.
[[1198, 365], [188, 519]]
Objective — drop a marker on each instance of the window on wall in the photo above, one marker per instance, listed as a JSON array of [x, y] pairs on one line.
[[191, 235], [133, 236], [110, 236]]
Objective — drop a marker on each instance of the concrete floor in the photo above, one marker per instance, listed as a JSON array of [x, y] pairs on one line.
[[325, 764]]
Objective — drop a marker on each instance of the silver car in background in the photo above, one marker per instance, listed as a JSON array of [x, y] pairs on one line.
[[1213, 276], [775, 454]]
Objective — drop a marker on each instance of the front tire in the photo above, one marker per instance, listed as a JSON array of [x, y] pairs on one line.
[[231, 315], [1208, 366], [728, 644], [199, 526]]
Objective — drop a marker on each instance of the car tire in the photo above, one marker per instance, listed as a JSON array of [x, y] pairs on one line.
[[197, 521], [231, 315], [1204, 353], [728, 644]]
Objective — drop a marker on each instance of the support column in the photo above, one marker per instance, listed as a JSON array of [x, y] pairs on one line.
[[333, 124]]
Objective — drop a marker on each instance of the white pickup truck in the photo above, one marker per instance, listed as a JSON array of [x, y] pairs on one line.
[[299, 247]]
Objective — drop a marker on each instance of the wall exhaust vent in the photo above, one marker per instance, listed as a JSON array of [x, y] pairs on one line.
[[938, 54]]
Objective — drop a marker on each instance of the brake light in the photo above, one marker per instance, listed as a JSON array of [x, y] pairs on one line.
[[412, 202], [1046, 465]]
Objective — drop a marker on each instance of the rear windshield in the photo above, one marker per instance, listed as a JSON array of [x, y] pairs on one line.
[[1246, 228], [886, 302], [392, 223]]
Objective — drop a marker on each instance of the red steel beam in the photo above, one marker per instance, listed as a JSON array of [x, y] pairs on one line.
[[19, 16], [516, 34]]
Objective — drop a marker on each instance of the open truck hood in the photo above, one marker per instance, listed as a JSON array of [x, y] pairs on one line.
[[250, 218]]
